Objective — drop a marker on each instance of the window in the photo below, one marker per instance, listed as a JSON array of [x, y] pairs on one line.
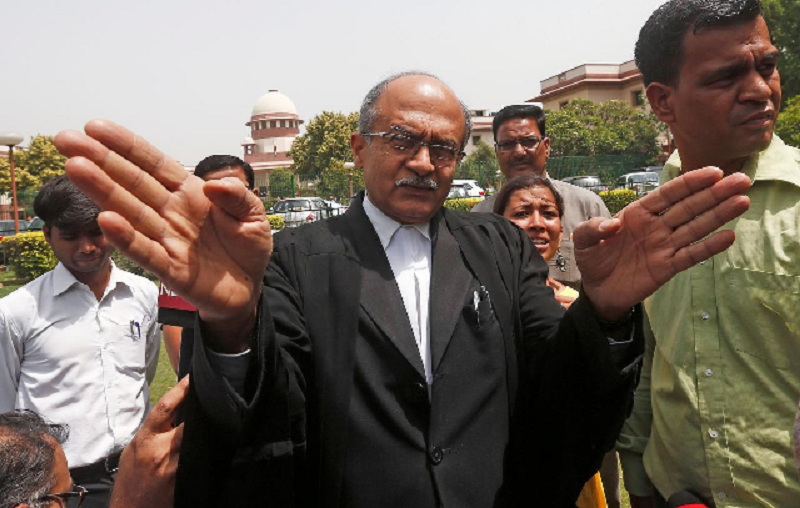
[[637, 98], [475, 139], [562, 104]]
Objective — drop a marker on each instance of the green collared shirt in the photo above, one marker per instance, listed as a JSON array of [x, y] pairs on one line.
[[721, 379]]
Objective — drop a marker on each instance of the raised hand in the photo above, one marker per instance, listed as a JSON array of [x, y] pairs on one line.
[[209, 242], [149, 463], [627, 258]]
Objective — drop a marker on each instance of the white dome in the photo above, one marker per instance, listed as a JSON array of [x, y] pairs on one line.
[[274, 102]]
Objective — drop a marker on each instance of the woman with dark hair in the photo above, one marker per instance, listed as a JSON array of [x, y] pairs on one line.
[[533, 203]]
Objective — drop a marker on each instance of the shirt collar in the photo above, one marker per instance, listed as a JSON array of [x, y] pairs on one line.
[[386, 227], [777, 162], [63, 279]]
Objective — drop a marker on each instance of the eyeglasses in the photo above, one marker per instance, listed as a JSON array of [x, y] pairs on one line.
[[72, 499], [402, 141], [527, 144]]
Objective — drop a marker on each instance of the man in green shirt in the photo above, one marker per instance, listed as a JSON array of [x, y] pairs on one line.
[[715, 407]]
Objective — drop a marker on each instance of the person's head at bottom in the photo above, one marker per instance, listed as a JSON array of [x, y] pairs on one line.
[[33, 467], [533, 203]]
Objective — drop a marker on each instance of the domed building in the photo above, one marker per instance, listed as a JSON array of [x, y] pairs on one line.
[[273, 126]]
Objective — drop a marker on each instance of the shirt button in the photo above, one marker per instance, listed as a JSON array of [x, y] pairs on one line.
[[436, 455], [705, 316], [722, 496], [709, 372], [713, 434]]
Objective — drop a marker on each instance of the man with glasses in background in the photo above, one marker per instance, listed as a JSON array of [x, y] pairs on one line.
[[522, 147]]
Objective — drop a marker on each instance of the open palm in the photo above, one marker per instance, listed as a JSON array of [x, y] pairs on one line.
[[625, 259], [210, 242]]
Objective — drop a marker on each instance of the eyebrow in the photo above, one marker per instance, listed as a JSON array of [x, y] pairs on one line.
[[435, 141], [743, 64]]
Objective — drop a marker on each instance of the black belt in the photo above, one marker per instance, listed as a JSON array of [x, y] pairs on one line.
[[105, 468]]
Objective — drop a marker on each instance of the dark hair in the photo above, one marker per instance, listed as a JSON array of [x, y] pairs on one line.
[[27, 458], [659, 50], [519, 111], [526, 181], [369, 111], [61, 204], [216, 162]]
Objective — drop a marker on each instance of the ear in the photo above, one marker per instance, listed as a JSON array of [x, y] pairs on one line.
[[358, 143], [660, 97], [48, 232], [546, 147]]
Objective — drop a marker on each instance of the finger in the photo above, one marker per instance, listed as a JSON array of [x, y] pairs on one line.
[[593, 231], [177, 439], [710, 221], [137, 150], [110, 196], [130, 177], [143, 251], [160, 419], [700, 202], [694, 253], [230, 195], [680, 188]]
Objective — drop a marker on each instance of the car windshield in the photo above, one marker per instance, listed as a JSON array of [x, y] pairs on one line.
[[36, 224], [645, 177], [7, 227]]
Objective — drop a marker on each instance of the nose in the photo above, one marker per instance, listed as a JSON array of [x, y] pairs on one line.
[[536, 221], [756, 88], [518, 150], [420, 163], [87, 245]]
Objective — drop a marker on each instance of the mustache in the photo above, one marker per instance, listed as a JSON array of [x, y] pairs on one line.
[[419, 182]]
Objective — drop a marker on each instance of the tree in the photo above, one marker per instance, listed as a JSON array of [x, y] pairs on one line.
[[336, 182], [280, 183], [584, 127], [325, 144], [33, 167], [788, 126], [480, 165], [783, 19]]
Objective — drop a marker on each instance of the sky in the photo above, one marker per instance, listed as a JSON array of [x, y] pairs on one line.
[[186, 74]]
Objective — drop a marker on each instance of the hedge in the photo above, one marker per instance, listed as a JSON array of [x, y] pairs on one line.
[[29, 254], [462, 204], [276, 222], [618, 199]]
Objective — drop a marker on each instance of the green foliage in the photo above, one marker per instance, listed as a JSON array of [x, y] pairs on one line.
[[585, 128], [325, 145], [335, 182], [788, 126], [461, 204], [618, 199], [481, 165], [280, 183], [29, 254], [783, 19], [276, 222], [33, 167], [124, 263]]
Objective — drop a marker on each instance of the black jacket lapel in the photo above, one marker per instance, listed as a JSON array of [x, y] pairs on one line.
[[380, 296], [450, 281]]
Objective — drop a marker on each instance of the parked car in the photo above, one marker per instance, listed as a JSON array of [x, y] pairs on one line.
[[641, 182], [470, 189], [297, 211], [36, 224], [7, 227], [588, 182]]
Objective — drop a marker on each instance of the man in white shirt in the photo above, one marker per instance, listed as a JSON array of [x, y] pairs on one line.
[[79, 345]]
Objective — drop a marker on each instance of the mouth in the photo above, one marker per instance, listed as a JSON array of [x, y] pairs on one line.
[[759, 119], [540, 243]]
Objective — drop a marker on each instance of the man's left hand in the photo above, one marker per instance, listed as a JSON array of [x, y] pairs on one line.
[[146, 477], [627, 258]]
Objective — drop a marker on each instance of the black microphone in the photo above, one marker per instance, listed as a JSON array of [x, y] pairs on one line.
[[685, 499]]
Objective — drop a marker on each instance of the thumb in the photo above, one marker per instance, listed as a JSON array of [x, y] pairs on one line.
[[589, 233], [163, 414], [234, 198]]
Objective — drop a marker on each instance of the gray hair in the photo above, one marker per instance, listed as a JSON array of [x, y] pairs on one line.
[[27, 458], [369, 111]]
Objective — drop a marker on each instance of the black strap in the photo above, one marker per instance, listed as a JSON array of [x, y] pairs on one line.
[[105, 468]]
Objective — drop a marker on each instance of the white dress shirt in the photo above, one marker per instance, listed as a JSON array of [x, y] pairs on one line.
[[408, 249], [79, 361]]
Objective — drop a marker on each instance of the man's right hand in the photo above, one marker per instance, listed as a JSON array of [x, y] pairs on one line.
[[210, 242]]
